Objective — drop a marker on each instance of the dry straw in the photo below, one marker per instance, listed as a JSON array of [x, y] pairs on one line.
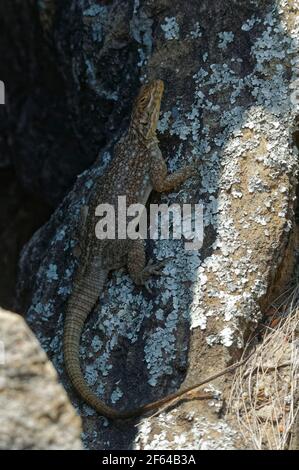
[[264, 396]]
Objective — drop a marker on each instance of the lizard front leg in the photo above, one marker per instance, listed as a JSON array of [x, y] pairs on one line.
[[160, 179], [139, 271]]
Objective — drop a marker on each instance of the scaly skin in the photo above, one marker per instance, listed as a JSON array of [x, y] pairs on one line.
[[137, 168]]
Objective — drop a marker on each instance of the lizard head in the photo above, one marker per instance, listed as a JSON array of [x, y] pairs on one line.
[[146, 110]]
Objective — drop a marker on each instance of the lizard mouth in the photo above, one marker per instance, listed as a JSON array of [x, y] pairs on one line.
[[159, 88], [159, 91], [146, 111]]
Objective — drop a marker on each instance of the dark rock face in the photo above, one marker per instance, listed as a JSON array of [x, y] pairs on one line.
[[21, 214], [68, 86], [227, 68], [38, 130]]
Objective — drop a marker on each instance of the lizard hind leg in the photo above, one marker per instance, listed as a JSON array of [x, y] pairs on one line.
[[139, 271]]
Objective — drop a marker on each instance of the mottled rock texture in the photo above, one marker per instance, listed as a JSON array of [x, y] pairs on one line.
[[35, 410], [228, 68]]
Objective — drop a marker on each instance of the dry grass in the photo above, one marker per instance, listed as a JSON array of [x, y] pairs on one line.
[[264, 397]]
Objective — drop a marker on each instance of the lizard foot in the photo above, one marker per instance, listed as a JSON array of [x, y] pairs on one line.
[[151, 269]]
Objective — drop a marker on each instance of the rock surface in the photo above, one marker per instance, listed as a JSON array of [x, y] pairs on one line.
[[229, 103], [21, 214], [35, 410], [68, 71]]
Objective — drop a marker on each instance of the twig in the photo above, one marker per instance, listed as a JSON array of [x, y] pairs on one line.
[[179, 395], [267, 369]]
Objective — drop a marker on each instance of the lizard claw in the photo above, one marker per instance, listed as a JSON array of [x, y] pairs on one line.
[[150, 269], [149, 290], [156, 268]]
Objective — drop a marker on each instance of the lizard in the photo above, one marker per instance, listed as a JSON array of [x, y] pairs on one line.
[[136, 169]]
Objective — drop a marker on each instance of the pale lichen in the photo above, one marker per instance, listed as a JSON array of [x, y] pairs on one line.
[[171, 28], [226, 38]]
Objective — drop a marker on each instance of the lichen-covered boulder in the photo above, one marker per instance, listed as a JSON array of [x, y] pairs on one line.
[[229, 70], [35, 410]]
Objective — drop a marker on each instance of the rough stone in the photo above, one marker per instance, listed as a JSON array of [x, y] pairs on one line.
[[35, 410]]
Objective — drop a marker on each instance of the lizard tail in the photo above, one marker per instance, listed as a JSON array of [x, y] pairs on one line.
[[80, 304]]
